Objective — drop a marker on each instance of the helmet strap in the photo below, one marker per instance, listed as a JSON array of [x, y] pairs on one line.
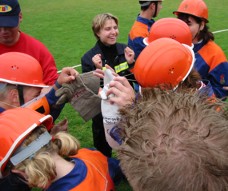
[[21, 94], [156, 8]]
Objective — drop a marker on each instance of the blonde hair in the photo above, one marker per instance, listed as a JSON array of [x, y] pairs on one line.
[[40, 169], [100, 20], [175, 141]]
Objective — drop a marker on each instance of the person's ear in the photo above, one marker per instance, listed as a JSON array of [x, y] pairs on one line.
[[19, 173], [202, 25], [20, 17], [14, 97], [152, 6], [98, 34]]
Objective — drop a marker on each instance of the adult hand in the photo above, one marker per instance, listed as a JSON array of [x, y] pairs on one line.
[[100, 73], [97, 61], [129, 55]]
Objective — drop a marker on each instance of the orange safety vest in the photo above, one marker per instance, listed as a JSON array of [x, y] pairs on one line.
[[97, 178]]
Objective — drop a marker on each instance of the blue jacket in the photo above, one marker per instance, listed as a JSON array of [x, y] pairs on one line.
[[212, 65], [54, 109], [138, 32]]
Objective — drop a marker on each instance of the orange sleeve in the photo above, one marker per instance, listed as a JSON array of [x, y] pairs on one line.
[[212, 54]]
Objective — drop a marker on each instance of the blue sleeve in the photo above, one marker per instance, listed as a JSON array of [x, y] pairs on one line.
[[54, 109], [201, 66], [219, 78], [115, 171], [137, 45]]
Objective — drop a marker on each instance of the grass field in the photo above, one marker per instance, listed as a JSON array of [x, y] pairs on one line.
[[65, 28]]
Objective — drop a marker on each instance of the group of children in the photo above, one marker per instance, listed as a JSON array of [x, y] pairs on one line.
[[171, 132]]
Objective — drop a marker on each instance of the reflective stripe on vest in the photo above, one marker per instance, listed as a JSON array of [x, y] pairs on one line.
[[119, 68]]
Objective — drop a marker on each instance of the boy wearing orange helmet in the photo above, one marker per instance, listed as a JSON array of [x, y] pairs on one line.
[[157, 65], [211, 61], [21, 80], [53, 163]]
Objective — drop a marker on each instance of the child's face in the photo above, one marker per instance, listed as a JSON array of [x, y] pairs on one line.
[[195, 28], [31, 92]]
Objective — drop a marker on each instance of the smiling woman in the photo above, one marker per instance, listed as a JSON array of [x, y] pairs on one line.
[[106, 51]]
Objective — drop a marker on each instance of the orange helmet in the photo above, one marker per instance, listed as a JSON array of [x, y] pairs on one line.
[[15, 125], [171, 28], [196, 8], [163, 61], [20, 69]]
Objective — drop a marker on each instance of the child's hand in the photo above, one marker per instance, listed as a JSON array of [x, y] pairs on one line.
[[67, 75], [124, 93]]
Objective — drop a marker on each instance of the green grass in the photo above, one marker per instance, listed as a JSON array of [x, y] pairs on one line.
[[65, 28]]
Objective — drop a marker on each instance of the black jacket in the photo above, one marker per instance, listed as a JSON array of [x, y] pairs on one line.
[[88, 65]]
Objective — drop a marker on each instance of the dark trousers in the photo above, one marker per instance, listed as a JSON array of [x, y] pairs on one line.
[[99, 140]]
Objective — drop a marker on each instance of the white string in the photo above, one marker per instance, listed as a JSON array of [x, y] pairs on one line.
[[76, 66], [224, 30]]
